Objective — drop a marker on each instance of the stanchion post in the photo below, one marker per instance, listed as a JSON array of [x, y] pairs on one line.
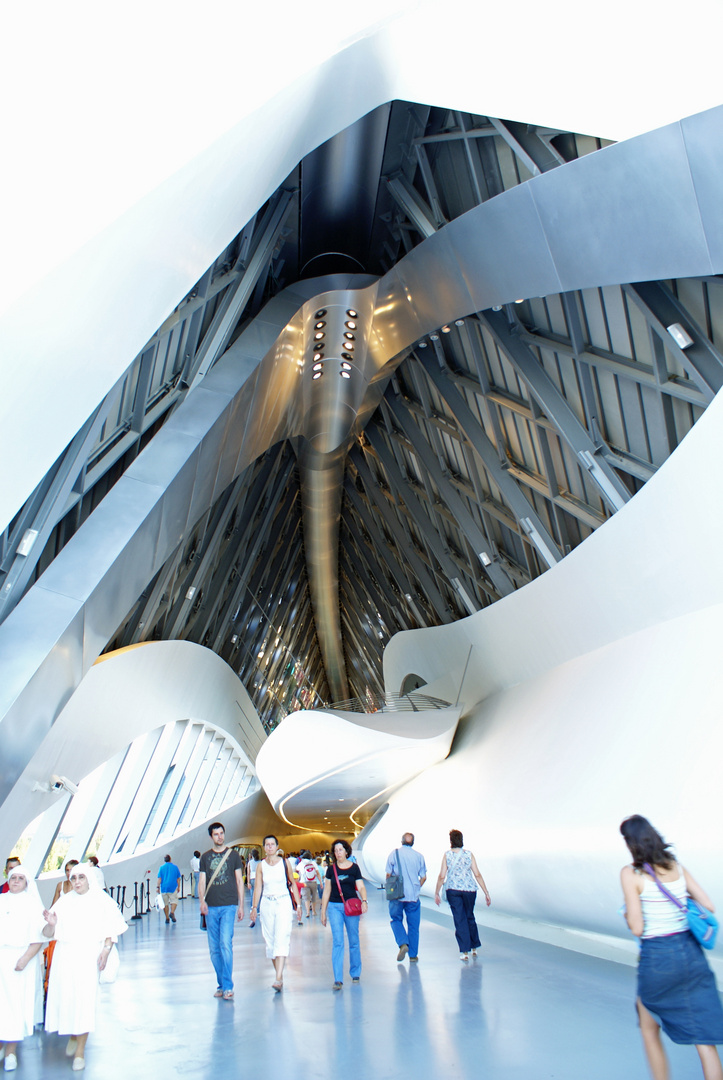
[[135, 901], [122, 901], [148, 896]]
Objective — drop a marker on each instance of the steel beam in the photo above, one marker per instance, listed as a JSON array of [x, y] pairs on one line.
[[218, 334], [557, 410], [413, 205], [702, 361], [524, 512]]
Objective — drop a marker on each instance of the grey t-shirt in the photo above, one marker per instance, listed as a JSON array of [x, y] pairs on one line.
[[223, 892]]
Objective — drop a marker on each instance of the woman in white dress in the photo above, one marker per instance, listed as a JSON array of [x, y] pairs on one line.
[[86, 924], [275, 877], [21, 939]]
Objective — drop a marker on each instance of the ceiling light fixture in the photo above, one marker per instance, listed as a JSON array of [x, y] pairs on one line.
[[680, 335]]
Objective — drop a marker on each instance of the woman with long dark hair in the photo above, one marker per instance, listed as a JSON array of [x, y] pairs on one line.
[[676, 988], [343, 882], [460, 871]]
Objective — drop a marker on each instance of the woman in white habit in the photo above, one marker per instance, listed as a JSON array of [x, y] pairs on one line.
[[86, 925], [21, 939]]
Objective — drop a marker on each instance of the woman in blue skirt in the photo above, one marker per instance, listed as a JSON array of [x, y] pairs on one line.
[[676, 988]]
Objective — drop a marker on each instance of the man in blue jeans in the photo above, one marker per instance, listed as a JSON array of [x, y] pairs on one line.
[[221, 896], [410, 864]]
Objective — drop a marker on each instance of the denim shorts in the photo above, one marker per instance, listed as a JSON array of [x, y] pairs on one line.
[[677, 986]]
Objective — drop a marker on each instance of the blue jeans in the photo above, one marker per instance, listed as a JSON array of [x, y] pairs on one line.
[[337, 921], [220, 923], [413, 911], [465, 928]]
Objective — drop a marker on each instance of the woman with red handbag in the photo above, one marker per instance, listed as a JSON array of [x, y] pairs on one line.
[[343, 906]]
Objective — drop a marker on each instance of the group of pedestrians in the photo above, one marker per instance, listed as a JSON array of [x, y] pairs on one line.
[[84, 924], [676, 988]]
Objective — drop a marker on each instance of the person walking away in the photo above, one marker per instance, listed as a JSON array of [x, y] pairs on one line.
[[169, 882], [195, 870], [221, 901], [308, 882], [676, 988], [411, 866], [460, 870]]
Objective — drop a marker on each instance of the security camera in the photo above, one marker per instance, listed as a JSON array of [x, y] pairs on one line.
[[60, 783]]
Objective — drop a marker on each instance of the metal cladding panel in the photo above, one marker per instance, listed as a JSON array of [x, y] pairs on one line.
[[432, 277], [210, 455], [233, 450], [160, 463], [206, 407], [626, 213], [276, 388], [39, 624], [703, 135], [40, 668], [83, 563], [506, 255], [396, 321]]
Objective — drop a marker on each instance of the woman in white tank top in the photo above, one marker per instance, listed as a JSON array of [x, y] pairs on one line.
[[275, 877], [676, 988]]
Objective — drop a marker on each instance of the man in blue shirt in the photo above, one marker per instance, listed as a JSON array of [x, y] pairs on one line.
[[410, 864], [169, 882]]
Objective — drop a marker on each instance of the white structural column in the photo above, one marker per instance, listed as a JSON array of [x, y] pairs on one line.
[[191, 762], [85, 829], [34, 858], [132, 777], [179, 762]]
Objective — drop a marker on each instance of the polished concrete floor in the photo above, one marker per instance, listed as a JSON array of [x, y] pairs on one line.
[[521, 1011]]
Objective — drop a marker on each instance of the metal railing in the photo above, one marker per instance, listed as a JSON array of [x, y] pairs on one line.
[[388, 703]]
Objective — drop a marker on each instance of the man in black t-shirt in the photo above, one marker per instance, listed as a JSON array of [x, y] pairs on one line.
[[221, 896]]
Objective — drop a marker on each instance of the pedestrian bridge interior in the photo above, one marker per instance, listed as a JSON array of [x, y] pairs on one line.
[[362, 477]]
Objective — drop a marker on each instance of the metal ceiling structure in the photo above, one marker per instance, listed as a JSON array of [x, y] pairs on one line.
[[500, 443]]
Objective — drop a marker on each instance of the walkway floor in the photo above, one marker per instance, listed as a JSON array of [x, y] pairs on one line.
[[521, 1011]]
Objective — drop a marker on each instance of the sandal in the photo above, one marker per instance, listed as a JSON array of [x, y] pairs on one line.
[[228, 995], [277, 986]]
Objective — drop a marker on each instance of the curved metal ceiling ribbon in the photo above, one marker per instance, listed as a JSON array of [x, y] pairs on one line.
[[647, 208]]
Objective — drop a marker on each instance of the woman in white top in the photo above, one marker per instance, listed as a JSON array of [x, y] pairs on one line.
[[275, 878], [676, 988], [21, 939], [459, 869], [86, 924]]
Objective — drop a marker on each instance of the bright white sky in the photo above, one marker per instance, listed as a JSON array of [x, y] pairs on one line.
[[103, 102]]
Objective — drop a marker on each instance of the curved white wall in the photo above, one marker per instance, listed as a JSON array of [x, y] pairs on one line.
[[591, 694], [123, 696]]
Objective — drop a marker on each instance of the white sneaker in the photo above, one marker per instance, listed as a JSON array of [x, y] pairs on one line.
[[11, 1063]]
